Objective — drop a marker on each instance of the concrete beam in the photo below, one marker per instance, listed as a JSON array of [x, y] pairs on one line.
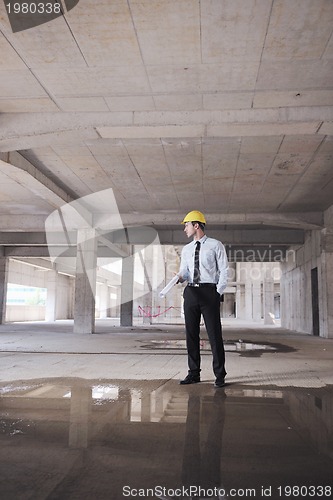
[[40, 263], [239, 237], [26, 251], [17, 168], [43, 252], [297, 220], [33, 238], [116, 249], [236, 253], [38, 239], [17, 125], [22, 223], [23, 172], [116, 242], [45, 128], [22, 238]]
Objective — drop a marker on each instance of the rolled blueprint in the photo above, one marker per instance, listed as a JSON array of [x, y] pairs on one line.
[[169, 286]]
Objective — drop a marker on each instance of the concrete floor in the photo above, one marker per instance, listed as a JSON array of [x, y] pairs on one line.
[[103, 416]]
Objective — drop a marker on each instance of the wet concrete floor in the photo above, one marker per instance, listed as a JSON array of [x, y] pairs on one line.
[[114, 439], [103, 417]]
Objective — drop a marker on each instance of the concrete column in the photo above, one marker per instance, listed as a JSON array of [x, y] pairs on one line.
[[159, 278], [327, 327], [256, 295], [239, 302], [248, 300], [326, 280], [114, 294], [71, 298], [85, 282], [256, 291], [3, 286], [148, 272], [170, 307], [268, 296], [240, 292], [126, 301], [104, 301], [51, 298]]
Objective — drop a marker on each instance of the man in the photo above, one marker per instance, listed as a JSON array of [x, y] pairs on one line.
[[204, 265]]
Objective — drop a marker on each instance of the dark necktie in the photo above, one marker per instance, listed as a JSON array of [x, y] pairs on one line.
[[196, 274]]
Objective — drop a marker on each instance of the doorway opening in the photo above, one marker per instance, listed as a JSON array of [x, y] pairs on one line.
[[315, 301]]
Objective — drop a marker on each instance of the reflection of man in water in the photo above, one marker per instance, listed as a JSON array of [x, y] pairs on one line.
[[203, 441]]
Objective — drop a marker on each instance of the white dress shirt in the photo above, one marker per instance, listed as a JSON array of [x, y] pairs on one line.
[[213, 263]]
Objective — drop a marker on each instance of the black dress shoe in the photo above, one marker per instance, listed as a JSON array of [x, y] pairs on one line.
[[190, 379], [219, 382]]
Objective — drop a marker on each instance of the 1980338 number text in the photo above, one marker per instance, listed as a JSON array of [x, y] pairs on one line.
[[33, 8], [304, 491]]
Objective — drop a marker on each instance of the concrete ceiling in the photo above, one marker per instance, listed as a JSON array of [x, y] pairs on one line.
[[221, 105]]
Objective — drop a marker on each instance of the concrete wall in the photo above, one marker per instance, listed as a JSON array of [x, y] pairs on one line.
[[296, 301], [257, 291], [65, 297], [21, 273], [25, 313], [296, 288]]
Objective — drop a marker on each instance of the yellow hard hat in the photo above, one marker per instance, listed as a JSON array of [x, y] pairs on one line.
[[195, 215]]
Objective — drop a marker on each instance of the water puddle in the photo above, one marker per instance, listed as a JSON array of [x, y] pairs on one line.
[[242, 347], [73, 438]]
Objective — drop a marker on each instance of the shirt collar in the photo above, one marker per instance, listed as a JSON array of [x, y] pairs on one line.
[[202, 240]]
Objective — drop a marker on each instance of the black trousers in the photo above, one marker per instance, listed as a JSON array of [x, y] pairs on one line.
[[203, 301]]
